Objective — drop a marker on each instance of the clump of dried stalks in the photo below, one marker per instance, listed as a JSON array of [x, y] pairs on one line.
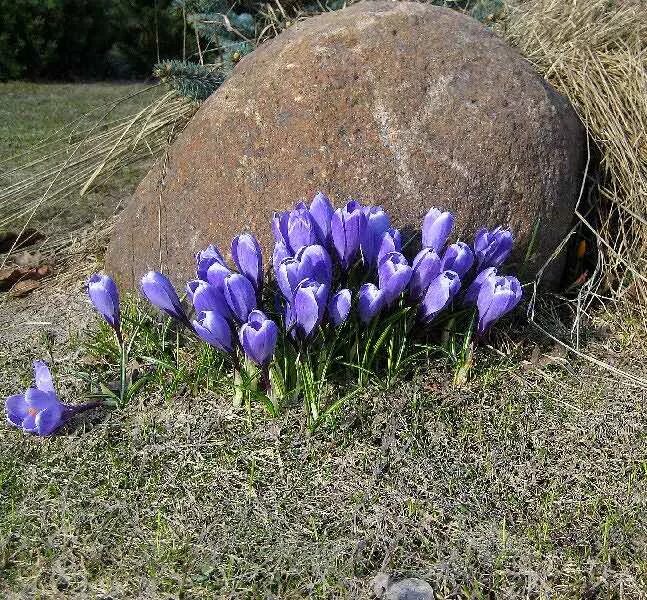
[[595, 53]]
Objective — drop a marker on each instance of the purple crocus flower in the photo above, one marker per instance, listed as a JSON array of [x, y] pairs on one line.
[[436, 227], [492, 247], [346, 225], [391, 241], [394, 274], [370, 302], [38, 410], [497, 297], [315, 263], [160, 293], [214, 329], [104, 296], [458, 258], [439, 294], [205, 258], [248, 257], [301, 228], [339, 307], [240, 295], [321, 211], [287, 277], [377, 224], [258, 337], [310, 301], [474, 288], [206, 297], [426, 267]]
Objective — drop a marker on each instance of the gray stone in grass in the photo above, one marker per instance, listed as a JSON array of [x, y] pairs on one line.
[[411, 588]]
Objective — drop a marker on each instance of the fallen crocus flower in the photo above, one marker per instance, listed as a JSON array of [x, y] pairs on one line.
[[38, 410]]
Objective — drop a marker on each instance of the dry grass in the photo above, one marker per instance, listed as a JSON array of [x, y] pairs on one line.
[[595, 53]]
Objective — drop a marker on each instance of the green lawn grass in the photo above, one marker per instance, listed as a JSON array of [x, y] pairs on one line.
[[528, 482]]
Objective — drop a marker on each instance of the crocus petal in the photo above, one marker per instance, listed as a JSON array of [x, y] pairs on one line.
[[207, 257], [321, 211], [104, 295], [216, 275], [214, 329], [370, 303], [288, 277], [475, 287], [280, 253], [436, 228], [346, 226], [301, 229], [310, 300], [240, 295], [391, 241], [280, 228], [315, 263], [458, 258], [16, 409], [29, 423], [39, 400], [394, 274], [49, 420], [376, 225], [492, 248], [339, 307], [497, 296], [426, 267], [43, 376], [439, 294], [207, 297], [248, 257]]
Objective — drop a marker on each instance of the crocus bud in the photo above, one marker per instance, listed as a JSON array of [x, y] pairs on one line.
[[104, 295], [301, 228], [391, 241], [346, 226], [370, 302], [160, 293], [287, 277], [474, 288], [280, 252], [339, 307], [377, 224], [394, 274], [436, 227], [492, 248], [310, 301], [214, 329], [315, 263], [439, 294], [240, 295], [426, 267], [497, 297], [206, 297], [321, 211], [258, 337], [248, 258], [205, 258], [458, 258]]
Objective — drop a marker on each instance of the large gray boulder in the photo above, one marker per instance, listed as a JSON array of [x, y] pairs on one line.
[[396, 103]]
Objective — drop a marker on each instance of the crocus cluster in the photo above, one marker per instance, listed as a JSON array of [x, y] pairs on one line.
[[319, 252]]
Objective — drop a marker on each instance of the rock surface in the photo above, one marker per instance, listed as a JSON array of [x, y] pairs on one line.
[[395, 103]]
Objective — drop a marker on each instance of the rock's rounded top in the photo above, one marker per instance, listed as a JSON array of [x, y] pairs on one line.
[[402, 104]]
